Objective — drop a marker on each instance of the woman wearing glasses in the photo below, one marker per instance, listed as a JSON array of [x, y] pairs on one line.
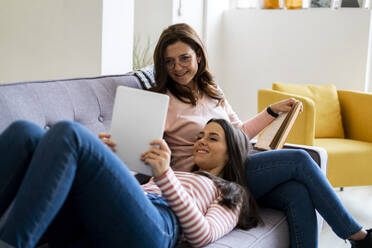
[[278, 179]]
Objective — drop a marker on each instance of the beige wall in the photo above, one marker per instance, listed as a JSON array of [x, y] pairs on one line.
[[43, 39]]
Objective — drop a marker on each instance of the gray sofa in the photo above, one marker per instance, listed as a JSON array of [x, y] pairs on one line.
[[89, 101]]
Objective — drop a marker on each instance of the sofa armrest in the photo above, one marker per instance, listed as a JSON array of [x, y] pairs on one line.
[[356, 114], [303, 131]]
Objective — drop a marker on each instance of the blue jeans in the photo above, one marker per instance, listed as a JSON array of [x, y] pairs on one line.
[[67, 176], [291, 181]]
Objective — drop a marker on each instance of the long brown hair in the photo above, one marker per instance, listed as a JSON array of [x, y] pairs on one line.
[[203, 78], [232, 183]]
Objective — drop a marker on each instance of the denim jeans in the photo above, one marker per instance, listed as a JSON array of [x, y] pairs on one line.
[[291, 181], [69, 179]]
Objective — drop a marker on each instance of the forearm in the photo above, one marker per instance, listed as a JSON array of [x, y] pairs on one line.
[[255, 125]]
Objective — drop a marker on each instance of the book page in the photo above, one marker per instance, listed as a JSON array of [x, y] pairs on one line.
[[288, 125], [267, 135], [275, 134]]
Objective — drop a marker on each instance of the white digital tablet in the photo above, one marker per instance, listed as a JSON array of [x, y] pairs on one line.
[[138, 118]]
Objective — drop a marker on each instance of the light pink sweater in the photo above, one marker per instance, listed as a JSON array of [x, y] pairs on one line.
[[185, 121]]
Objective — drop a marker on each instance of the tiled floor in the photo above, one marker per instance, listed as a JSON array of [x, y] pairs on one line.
[[358, 201]]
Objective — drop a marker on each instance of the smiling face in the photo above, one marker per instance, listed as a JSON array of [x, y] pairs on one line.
[[210, 149], [181, 63]]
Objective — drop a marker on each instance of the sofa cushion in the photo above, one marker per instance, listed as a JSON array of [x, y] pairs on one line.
[[88, 101], [274, 233], [343, 170], [328, 122]]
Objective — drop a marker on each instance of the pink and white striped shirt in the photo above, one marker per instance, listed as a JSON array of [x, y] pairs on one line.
[[194, 200]]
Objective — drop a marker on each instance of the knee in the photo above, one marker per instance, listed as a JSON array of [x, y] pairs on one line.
[[68, 131], [65, 125], [65, 128], [300, 158], [298, 154], [24, 132]]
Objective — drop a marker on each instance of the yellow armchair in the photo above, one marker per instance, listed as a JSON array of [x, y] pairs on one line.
[[349, 158], [356, 112]]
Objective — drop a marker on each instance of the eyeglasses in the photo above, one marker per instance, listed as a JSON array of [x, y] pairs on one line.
[[183, 60]]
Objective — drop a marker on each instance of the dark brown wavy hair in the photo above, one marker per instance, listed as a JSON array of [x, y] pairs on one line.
[[232, 183], [204, 79]]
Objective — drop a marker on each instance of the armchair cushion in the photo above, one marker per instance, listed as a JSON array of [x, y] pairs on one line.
[[356, 114], [349, 161], [328, 121]]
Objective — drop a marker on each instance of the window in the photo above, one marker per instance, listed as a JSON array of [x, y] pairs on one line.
[[242, 4]]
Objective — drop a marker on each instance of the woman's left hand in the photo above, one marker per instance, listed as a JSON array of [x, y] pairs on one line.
[[158, 157], [284, 105]]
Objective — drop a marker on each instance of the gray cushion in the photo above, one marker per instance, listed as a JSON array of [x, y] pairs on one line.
[[88, 101], [274, 233]]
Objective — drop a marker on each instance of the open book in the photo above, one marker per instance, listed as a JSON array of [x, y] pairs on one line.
[[275, 134]]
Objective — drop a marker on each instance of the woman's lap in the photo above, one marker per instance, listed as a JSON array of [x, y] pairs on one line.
[[267, 171]]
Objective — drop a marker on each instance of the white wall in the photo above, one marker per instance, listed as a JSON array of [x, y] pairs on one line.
[[190, 12], [152, 17], [213, 34], [44, 39], [368, 85], [117, 36], [315, 46]]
